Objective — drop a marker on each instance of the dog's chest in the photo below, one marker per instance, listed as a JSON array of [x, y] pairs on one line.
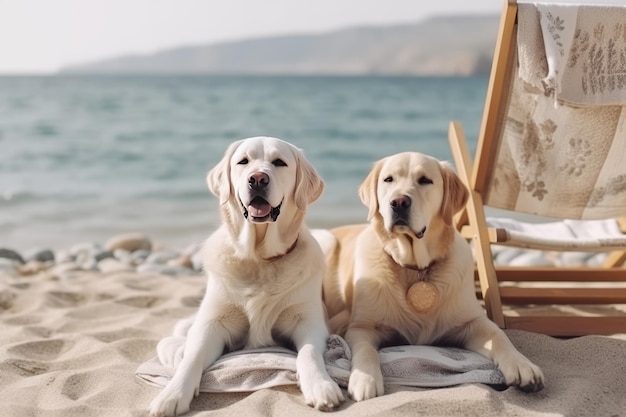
[[251, 286], [262, 298], [422, 298]]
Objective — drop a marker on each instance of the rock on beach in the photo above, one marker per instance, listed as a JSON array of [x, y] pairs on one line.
[[130, 242], [126, 252]]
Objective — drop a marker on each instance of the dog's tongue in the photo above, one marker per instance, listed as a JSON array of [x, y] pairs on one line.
[[259, 208]]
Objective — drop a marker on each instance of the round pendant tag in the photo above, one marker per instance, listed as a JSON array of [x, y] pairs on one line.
[[422, 296]]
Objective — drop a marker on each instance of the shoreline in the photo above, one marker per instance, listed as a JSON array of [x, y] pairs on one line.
[[123, 251], [27, 239]]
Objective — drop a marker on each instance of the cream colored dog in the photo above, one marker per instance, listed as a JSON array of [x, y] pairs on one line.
[[265, 273], [408, 276]]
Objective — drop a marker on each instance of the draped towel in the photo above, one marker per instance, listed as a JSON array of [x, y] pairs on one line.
[[579, 49]]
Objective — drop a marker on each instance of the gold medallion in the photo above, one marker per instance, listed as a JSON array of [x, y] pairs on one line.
[[422, 296]]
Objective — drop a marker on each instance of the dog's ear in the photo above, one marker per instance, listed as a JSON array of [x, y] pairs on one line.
[[309, 184], [218, 178], [455, 193], [368, 191]]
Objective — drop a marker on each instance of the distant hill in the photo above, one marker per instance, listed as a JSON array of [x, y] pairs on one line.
[[445, 45]]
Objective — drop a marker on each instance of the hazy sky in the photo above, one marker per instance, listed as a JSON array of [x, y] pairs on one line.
[[44, 35]]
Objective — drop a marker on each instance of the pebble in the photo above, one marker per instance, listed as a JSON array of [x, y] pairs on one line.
[[184, 261], [60, 269], [130, 242], [11, 254], [41, 255], [114, 265], [162, 269], [162, 257], [64, 255], [139, 256], [90, 248], [103, 255], [130, 252], [123, 255], [34, 267]]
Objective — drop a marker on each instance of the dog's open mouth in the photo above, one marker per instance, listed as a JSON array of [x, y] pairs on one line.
[[259, 210]]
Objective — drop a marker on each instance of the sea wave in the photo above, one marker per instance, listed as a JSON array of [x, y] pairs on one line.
[[90, 156], [12, 197]]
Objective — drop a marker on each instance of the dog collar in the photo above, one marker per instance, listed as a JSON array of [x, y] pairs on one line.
[[420, 270], [277, 257]]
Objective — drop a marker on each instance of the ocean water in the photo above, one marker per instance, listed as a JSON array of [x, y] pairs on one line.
[[83, 158]]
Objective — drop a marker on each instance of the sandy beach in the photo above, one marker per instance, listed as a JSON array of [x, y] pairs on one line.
[[71, 343]]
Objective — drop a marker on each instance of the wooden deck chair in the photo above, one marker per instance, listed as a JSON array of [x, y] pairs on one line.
[[552, 143]]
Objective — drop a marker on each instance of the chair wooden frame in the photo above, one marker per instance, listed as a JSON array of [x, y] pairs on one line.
[[618, 257], [472, 223]]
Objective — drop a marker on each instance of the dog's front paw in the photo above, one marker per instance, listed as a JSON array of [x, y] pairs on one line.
[[323, 394], [363, 386], [523, 374], [171, 402]]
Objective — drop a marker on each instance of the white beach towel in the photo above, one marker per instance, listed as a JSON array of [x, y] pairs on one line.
[[254, 369]]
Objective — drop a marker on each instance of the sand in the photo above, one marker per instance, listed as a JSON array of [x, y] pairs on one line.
[[70, 347]]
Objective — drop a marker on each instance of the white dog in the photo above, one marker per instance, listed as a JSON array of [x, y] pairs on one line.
[[407, 277], [265, 273]]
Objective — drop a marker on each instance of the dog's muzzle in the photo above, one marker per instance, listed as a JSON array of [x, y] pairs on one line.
[[401, 209]]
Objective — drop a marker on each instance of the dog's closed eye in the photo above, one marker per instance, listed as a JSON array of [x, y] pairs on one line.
[[388, 179], [423, 180], [279, 163], [244, 161]]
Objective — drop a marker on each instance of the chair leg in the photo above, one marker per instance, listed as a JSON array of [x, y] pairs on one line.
[[615, 259], [476, 219]]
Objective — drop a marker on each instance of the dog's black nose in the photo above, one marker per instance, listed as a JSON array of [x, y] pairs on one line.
[[401, 204], [258, 181]]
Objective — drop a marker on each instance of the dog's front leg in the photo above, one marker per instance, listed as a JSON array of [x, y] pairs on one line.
[[366, 378], [205, 343], [319, 390], [484, 337]]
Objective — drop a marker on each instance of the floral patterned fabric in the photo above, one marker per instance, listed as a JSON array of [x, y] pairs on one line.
[[580, 50], [557, 159]]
